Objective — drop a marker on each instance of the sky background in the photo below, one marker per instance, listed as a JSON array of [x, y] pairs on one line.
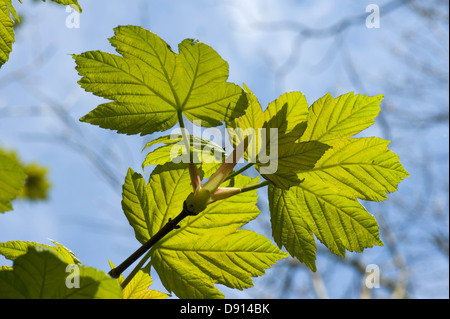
[[273, 47]]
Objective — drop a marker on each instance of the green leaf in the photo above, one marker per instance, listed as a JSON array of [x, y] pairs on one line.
[[12, 180], [339, 222], [13, 249], [190, 266], [290, 160], [135, 204], [281, 162], [331, 119], [288, 114], [6, 29], [151, 86], [325, 203], [41, 274], [289, 229], [174, 150], [208, 248], [359, 167], [138, 287]]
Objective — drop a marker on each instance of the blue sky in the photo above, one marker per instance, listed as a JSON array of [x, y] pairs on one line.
[[84, 211]]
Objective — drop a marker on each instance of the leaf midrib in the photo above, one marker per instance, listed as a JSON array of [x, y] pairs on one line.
[[166, 75]]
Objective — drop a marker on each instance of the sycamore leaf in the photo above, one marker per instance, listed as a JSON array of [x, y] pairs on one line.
[[331, 119], [168, 187], [190, 266], [41, 274], [326, 204], [151, 86], [174, 150], [6, 29], [288, 114], [138, 287], [277, 154], [208, 248], [12, 180], [13, 249], [290, 161], [339, 222], [359, 167], [289, 228], [135, 204]]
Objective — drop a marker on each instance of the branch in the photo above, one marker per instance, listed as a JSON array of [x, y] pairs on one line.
[[168, 227]]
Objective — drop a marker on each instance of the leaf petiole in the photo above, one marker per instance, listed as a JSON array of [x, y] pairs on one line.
[[243, 169], [255, 186]]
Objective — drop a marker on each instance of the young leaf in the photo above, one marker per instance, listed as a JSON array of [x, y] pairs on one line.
[[191, 265], [41, 274], [359, 167], [12, 180], [138, 288], [208, 248], [290, 160], [326, 204], [151, 86], [203, 151], [6, 29], [288, 226], [135, 204], [339, 222], [288, 116], [331, 119], [13, 249]]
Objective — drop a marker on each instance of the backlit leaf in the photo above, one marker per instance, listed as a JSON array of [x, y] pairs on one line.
[[12, 180], [331, 119], [208, 248], [325, 203], [174, 150], [138, 287], [280, 125], [41, 274], [6, 30], [289, 229], [151, 86], [360, 167], [13, 249]]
